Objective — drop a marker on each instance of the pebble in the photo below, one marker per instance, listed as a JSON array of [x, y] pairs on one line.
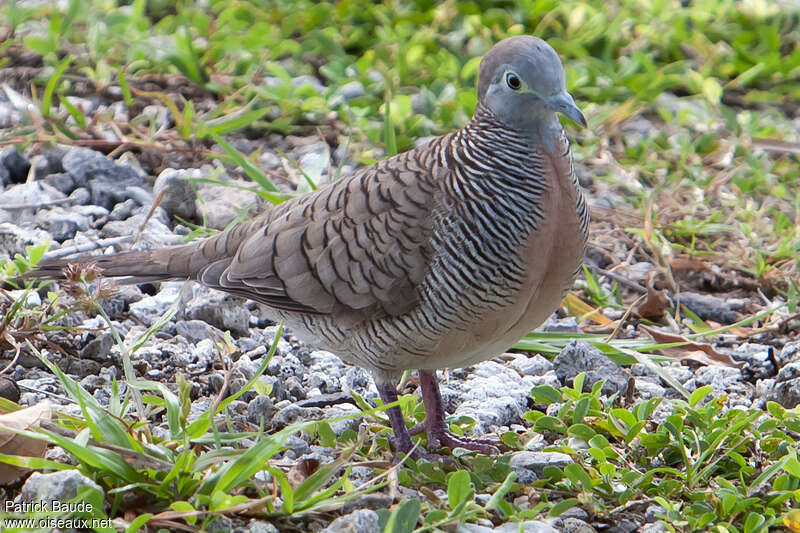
[[579, 356], [529, 466], [61, 486]]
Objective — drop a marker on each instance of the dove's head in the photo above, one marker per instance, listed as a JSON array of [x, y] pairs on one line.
[[521, 80]]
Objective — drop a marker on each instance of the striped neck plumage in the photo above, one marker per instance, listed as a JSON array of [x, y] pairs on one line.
[[496, 182]]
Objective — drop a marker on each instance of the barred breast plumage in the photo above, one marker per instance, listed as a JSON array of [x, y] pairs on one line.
[[439, 257]]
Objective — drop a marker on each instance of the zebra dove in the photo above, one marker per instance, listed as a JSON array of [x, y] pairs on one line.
[[439, 257]]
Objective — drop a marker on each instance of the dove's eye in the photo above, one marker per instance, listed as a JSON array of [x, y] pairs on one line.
[[513, 81]]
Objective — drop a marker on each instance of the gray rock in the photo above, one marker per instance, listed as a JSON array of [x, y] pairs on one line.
[[578, 356], [81, 196], [61, 223], [219, 205], [294, 413], [299, 81], [343, 410], [709, 307], [530, 465], [658, 527], [243, 370], [61, 486], [326, 362], [352, 89], [221, 310], [680, 372], [278, 386], [297, 446], [195, 331], [16, 163], [576, 525], [648, 389], [157, 115], [179, 195], [198, 409], [723, 378], [575, 512], [294, 388], [269, 160], [786, 390], [561, 325], [640, 370], [5, 177], [361, 521], [347, 92], [493, 395], [261, 407], [48, 163], [120, 111], [123, 296], [124, 210], [154, 235], [34, 194], [653, 512], [150, 308], [357, 379], [80, 367], [535, 365], [10, 116], [98, 348], [529, 526], [105, 178], [145, 198], [789, 353], [374, 501], [32, 299], [285, 366], [257, 526], [220, 524], [321, 382], [90, 211], [94, 383], [14, 239]]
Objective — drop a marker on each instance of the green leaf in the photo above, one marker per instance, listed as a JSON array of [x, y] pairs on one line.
[[404, 518], [562, 506], [326, 435], [138, 522], [550, 423], [546, 394], [76, 113], [52, 83], [578, 476], [581, 431], [577, 383], [754, 522], [581, 410], [792, 466], [458, 488], [252, 171], [698, 395], [389, 136], [126, 90], [184, 507], [497, 501], [40, 45]]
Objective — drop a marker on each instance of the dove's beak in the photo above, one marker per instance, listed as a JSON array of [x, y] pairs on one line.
[[564, 104]]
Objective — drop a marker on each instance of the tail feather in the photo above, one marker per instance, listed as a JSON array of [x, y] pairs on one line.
[[130, 267], [171, 263]]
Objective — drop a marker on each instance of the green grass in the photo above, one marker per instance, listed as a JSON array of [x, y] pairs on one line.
[[704, 85]]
